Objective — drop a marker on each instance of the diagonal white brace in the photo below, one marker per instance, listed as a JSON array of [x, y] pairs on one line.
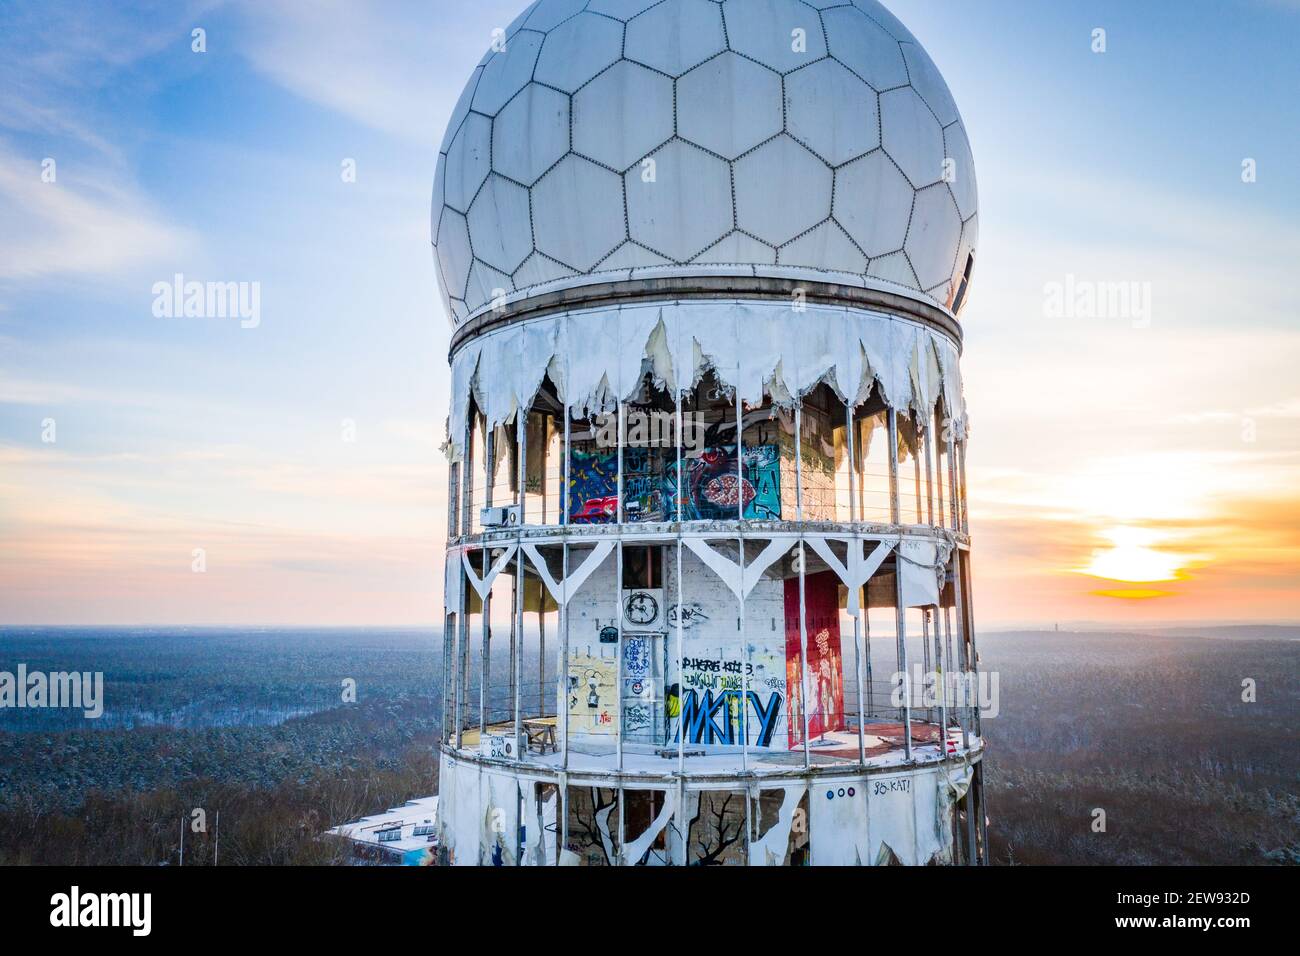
[[739, 581], [860, 568], [564, 589], [484, 585]]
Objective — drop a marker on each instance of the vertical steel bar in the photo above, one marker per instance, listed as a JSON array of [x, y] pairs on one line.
[[485, 660], [679, 514], [618, 650], [517, 635], [963, 706], [929, 480], [562, 698], [856, 545], [900, 611], [939, 469], [740, 551], [803, 560]]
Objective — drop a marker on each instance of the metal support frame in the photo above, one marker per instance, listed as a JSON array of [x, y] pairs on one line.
[[951, 502]]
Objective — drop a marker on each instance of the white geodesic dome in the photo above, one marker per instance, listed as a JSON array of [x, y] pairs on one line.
[[615, 139]]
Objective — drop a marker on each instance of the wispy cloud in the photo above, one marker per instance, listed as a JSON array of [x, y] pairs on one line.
[[81, 223], [342, 56]]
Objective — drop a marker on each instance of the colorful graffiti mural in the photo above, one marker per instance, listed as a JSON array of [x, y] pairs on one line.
[[593, 487], [711, 488], [825, 663]]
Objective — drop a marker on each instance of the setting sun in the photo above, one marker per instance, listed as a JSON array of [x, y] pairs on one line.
[[1131, 558]]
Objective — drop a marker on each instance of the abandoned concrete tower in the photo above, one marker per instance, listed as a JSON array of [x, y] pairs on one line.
[[707, 574]]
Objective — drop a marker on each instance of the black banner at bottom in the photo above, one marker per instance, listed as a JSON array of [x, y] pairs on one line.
[[216, 905]]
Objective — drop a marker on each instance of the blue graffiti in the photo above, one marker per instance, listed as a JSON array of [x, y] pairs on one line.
[[699, 716]]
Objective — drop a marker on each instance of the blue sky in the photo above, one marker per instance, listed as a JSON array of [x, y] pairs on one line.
[[176, 434]]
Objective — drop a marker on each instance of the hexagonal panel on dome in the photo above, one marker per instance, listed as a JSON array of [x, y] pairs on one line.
[[825, 247], [499, 224], [531, 134], [737, 247], [549, 14], [620, 9], [577, 50], [454, 254], [538, 270], [832, 112], [894, 268], [686, 207], [439, 195], [578, 213], [486, 284], [461, 110], [865, 47], [781, 191], [468, 162], [912, 136], [507, 72], [873, 202], [765, 155], [676, 35], [927, 81], [782, 34], [729, 105], [933, 236], [631, 256], [962, 183], [881, 15], [622, 115]]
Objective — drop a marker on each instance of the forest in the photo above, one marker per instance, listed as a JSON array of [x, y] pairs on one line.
[[1151, 728]]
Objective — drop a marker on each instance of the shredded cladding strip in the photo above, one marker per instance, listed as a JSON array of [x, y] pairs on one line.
[[595, 358], [876, 819]]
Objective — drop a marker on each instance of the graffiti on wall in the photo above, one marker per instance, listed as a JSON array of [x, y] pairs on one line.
[[711, 489], [593, 701], [719, 698], [825, 663], [593, 487], [640, 687]]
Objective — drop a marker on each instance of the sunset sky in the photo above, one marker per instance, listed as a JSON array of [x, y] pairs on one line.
[[1134, 468]]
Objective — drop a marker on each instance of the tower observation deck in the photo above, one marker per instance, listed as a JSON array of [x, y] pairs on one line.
[[707, 588]]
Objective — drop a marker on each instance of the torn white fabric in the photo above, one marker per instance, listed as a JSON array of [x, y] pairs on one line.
[[770, 848], [499, 819], [535, 852], [838, 827], [461, 781], [892, 814], [596, 357], [924, 565], [637, 848], [453, 581]]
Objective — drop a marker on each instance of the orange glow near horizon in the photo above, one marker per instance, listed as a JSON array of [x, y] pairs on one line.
[[1131, 558]]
